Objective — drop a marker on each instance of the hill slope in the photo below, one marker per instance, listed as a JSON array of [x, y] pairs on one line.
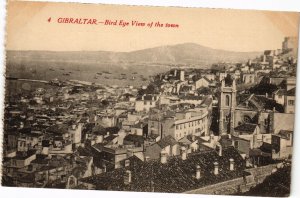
[[187, 53]]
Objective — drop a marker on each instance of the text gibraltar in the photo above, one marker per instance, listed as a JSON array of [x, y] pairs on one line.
[[78, 21]]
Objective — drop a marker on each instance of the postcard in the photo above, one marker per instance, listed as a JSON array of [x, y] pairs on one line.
[[149, 99]]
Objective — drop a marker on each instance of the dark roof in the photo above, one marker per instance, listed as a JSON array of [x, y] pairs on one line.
[[45, 143], [103, 131], [285, 134], [176, 175], [246, 127], [24, 155], [149, 97], [225, 141], [133, 161], [110, 138], [166, 141], [58, 128], [266, 147], [280, 92], [206, 101], [291, 92], [29, 178], [190, 97], [41, 159], [258, 152], [134, 138]]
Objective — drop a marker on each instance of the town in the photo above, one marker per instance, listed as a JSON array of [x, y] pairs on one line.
[[221, 130]]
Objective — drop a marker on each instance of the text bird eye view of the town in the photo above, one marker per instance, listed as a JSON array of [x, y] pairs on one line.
[[210, 113]]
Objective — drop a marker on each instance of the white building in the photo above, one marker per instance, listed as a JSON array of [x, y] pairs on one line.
[[147, 102]]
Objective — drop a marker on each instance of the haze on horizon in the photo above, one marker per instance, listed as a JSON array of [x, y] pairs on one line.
[[232, 30]]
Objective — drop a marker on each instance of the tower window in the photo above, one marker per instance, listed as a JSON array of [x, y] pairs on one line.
[[247, 119], [227, 100]]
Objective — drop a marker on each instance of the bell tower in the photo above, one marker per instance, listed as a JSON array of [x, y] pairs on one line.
[[227, 104]]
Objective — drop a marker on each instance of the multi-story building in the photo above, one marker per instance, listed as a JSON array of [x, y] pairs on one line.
[[289, 106], [147, 102], [180, 124]]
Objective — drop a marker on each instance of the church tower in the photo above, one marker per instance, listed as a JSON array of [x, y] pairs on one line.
[[227, 104]]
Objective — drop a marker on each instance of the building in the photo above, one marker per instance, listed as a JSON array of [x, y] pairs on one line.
[[279, 96], [227, 104], [146, 102], [248, 78], [289, 44], [282, 144], [202, 82], [180, 124], [289, 106]]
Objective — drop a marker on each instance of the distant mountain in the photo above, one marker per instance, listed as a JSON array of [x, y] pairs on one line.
[[187, 53]]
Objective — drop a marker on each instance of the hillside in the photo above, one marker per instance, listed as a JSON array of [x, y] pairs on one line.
[[187, 53]]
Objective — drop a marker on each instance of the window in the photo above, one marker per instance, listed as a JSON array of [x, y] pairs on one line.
[[227, 118], [247, 119], [145, 102], [291, 102], [227, 100], [176, 126], [279, 96]]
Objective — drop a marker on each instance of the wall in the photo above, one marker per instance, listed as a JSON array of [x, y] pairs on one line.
[[237, 185]]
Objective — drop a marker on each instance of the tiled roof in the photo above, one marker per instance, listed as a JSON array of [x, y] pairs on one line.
[[167, 141], [285, 134], [176, 175], [134, 138], [246, 127]]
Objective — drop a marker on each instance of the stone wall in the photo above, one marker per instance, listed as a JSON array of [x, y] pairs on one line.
[[241, 184]]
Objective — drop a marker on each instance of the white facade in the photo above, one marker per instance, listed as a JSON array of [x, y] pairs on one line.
[[191, 124]]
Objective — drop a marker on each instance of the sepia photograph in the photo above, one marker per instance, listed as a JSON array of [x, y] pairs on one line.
[[149, 99]]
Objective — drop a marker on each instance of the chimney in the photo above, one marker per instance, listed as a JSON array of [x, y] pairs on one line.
[[247, 162], [211, 138], [198, 172], [231, 164], [183, 153], [216, 168], [175, 72], [219, 149], [129, 152], [127, 163], [21, 125], [127, 178], [193, 138], [147, 159], [163, 157], [73, 126], [107, 133]]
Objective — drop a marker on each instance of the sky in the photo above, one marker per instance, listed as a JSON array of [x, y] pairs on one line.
[[227, 29]]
